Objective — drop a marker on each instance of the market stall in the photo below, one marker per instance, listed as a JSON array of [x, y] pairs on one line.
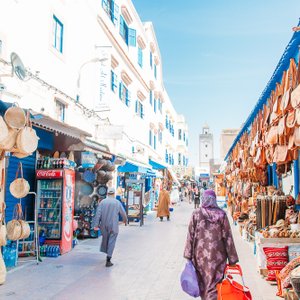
[[262, 172]]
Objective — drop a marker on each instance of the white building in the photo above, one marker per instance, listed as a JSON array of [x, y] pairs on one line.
[[97, 67], [206, 149]]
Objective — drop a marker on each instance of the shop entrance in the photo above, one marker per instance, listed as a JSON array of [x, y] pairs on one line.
[[135, 191]]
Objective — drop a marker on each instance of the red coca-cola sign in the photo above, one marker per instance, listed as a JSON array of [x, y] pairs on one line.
[[49, 173]]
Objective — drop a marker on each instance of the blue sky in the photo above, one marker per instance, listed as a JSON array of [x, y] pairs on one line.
[[218, 56]]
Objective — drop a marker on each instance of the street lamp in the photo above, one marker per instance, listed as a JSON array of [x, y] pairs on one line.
[[94, 60]]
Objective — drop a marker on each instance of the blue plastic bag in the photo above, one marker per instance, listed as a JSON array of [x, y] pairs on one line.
[[189, 280]]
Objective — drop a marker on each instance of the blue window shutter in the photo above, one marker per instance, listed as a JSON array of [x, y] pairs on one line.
[[128, 97], [151, 97], [142, 111], [151, 58], [150, 137], [136, 106], [112, 80], [122, 23], [154, 141], [105, 5], [120, 90], [155, 105], [131, 37], [115, 14]]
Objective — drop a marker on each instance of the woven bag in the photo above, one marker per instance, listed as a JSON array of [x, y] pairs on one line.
[[18, 228], [2, 226], [27, 140], [15, 117], [14, 230], [3, 130], [2, 269], [9, 142], [19, 188]]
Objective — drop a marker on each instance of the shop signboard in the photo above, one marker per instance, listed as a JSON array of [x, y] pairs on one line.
[[88, 159]]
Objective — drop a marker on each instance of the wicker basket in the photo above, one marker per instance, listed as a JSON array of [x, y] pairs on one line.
[[15, 117]]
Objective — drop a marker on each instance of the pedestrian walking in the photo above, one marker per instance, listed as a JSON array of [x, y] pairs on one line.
[[107, 219], [163, 209], [196, 197], [209, 245]]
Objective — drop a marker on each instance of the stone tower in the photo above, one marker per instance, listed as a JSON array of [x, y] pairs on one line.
[[206, 148]]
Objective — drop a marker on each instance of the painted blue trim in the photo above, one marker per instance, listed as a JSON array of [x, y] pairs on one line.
[[275, 178], [58, 27], [290, 52], [296, 178], [269, 175]]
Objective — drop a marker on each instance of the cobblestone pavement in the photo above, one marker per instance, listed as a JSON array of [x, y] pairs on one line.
[[148, 262]]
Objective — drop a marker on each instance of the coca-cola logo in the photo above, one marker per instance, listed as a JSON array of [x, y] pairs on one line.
[[48, 173]]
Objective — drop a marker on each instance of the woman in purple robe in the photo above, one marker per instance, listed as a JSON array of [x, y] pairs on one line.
[[210, 244]]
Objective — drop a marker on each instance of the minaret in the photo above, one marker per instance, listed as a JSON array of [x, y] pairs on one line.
[[206, 148]]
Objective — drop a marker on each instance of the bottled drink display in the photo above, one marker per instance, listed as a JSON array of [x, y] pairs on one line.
[[54, 163], [49, 214]]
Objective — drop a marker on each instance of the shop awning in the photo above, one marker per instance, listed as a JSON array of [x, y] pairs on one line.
[[132, 166], [173, 175], [93, 146], [156, 166], [46, 122]]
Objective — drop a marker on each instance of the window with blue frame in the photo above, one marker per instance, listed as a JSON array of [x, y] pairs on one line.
[[167, 156], [179, 158], [112, 9], [150, 137], [186, 142], [140, 56], [183, 160], [179, 134], [160, 136], [160, 105], [170, 159], [184, 136], [154, 141], [154, 106], [124, 94], [155, 71], [57, 34], [167, 122], [114, 81], [151, 98], [151, 60], [128, 34], [60, 111], [139, 109]]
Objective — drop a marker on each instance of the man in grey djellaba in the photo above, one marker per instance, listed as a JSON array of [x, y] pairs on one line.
[[107, 220]]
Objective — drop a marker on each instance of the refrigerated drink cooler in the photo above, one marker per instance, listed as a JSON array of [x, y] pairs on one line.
[[55, 202]]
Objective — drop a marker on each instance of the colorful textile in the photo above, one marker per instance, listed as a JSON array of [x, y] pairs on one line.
[[277, 259], [294, 252], [209, 245], [285, 273]]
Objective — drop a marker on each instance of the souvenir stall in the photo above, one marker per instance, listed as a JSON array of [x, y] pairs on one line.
[[93, 175], [137, 182], [262, 173]]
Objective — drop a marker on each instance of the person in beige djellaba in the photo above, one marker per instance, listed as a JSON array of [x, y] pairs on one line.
[[163, 209]]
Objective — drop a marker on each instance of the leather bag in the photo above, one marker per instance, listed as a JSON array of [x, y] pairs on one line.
[[291, 119], [272, 138], [19, 188], [297, 136], [281, 154], [295, 97], [281, 127]]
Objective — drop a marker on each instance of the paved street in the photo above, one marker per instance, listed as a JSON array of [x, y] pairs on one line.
[[148, 262]]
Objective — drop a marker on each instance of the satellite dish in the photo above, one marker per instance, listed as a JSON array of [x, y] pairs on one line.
[[17, 66]]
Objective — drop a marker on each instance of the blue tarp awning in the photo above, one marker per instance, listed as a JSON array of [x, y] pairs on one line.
[[156, 166], [132, 168]]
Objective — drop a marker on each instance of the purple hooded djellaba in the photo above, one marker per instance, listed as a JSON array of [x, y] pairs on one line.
[[210, 244]]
